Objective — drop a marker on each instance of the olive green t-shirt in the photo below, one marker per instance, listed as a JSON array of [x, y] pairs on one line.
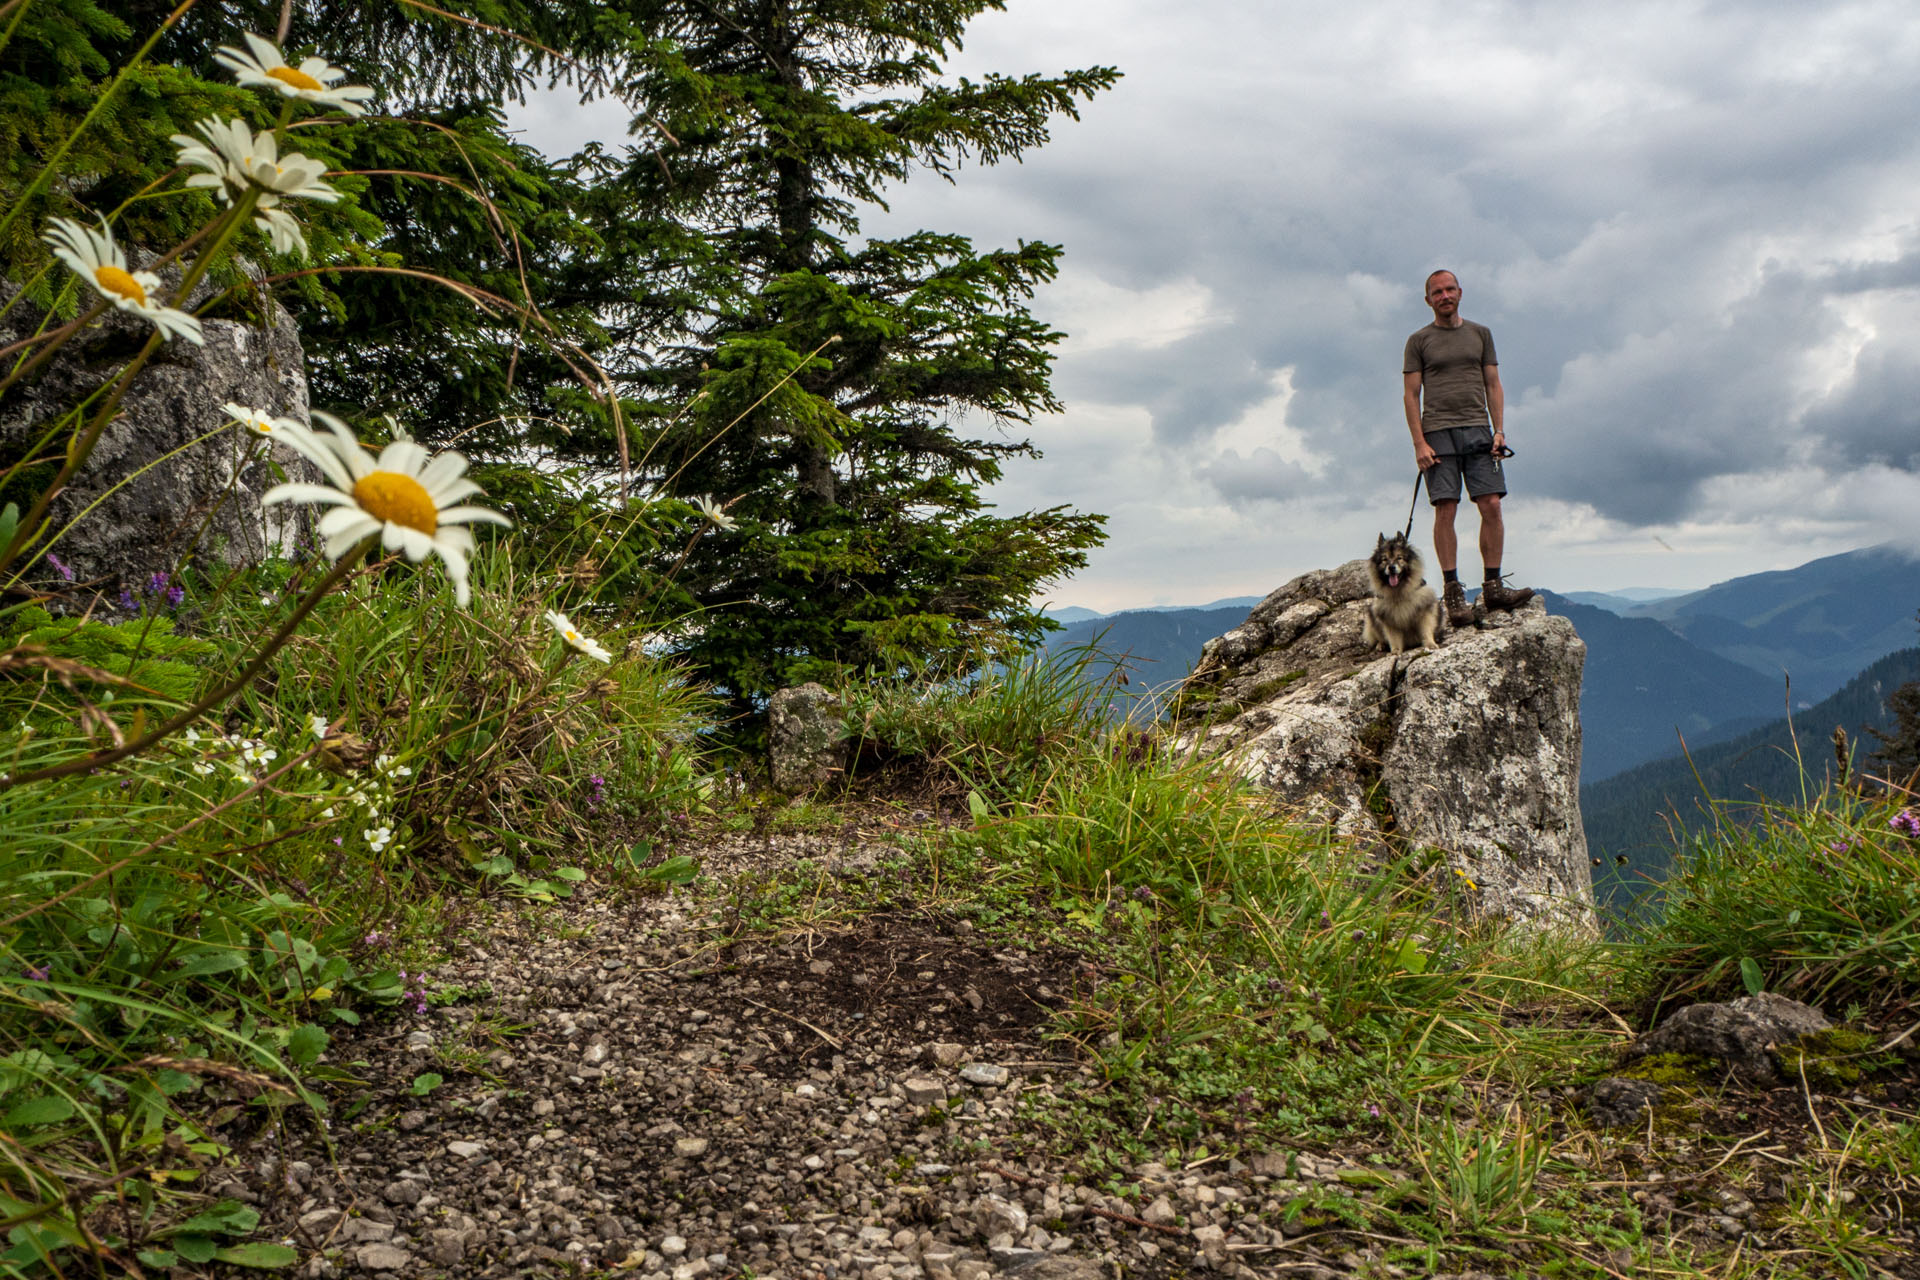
[[1453, 388]]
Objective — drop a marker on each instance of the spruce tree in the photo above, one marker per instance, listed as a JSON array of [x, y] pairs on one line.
[[844, 399]]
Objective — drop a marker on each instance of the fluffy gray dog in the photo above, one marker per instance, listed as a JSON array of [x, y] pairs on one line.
[[1403, 607]]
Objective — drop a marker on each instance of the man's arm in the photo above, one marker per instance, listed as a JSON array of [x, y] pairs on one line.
[[1496, 404], [1410, 399]]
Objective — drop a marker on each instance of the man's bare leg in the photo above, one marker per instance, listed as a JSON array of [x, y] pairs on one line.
[[1446, 543], [1493, 531], [1446, 550]]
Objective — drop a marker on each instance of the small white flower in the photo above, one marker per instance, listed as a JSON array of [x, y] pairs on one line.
[[575, 641], [190, 736], [327, 812], [237, 158], [716, 513], [259, 753], [406, 496], [258, 421], [378, 838], [96, 259], [203, 767], [387, 767], [319, 726], [262, 64]]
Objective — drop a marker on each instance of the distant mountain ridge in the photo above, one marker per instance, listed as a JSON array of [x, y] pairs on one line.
[[1823, 622], [1644, 684], [1627, 816]]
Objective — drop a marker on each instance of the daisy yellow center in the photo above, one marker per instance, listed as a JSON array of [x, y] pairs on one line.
[[573, 637], [117, 281], [402, 500], [297, 78]]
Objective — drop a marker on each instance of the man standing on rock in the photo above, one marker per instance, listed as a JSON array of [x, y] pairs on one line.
[[1456, 411]]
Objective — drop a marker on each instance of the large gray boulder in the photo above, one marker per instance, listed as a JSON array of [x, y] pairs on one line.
[[1471, 749], [152, 497]]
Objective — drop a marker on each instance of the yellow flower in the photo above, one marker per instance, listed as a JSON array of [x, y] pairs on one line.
[[101, 263], [405, 495], [571, 634], [262, 64]]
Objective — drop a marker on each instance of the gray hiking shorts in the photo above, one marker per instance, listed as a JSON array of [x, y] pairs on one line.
[[1463, 452]]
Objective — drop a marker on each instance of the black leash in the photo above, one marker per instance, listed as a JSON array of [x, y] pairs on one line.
[[1503, 453]]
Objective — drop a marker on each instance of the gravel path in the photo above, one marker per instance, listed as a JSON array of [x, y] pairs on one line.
[[633, 1092]]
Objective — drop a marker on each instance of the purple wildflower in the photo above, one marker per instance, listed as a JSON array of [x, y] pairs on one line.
[[127, 601], [1905, 823], [41, 974], [1373, 1109], [175, 595], [60, 566], [157, 583], [1840, 846]]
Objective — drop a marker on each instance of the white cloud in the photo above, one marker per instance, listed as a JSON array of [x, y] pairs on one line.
[[1691, 228]]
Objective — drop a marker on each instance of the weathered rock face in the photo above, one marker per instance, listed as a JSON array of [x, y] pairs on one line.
[[808, 738], [203, 501], [1744, 1033], [1472, 748]]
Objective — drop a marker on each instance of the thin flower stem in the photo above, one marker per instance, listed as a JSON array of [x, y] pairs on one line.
[[45, 175], [82, 445], [259, 785], [320, 590], [126, 480]]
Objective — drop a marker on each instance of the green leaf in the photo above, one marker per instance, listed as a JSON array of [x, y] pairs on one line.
[[679, 869], [9, 522], [258, 1254], [977, 806], [570, 873], [347, 1016], [1752, 976], [426, 1083], [306, 1044], [227, 1218], [47, 1109], [158, 1259], [196, 1248]]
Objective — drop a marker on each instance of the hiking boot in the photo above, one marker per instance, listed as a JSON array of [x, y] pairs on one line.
[[1459, 612], [1498, 595]]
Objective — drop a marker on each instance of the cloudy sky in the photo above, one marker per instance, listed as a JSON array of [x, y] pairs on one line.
[[1692, 228]]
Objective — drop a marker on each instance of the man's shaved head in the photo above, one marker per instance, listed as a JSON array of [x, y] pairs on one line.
[[1433, 275]]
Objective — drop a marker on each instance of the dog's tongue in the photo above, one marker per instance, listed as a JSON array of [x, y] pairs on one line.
[[1393, 579]]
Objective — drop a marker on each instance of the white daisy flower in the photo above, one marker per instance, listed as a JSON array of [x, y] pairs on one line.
[[716, 513], [405, 496], [262, 64], [282, 229], [258, 421], [378, 838], [101, 263], [575, 641], [237, 158]]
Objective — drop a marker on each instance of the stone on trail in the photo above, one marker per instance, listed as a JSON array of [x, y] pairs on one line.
[[1617, 1101], [984, 1074], [382, 1257], [807, 738], [1472, 747], [1744, 1033]]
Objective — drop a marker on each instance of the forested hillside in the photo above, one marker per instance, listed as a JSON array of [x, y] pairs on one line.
[[1634, 816]]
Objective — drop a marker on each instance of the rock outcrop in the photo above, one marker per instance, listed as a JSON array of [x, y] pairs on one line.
[[149, 496], [807, 738], [1472, 748]]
